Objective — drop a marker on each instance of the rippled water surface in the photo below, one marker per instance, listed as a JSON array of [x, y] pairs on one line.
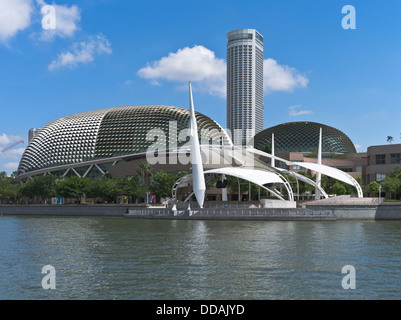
[[120, 258]]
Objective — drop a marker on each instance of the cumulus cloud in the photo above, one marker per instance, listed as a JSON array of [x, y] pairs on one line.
[[197, 64], [15, 152], [67, 19], [15, 16], [294, 111], [201, 66], [278, 77], [6, 139], [82, 52], [13, 166]]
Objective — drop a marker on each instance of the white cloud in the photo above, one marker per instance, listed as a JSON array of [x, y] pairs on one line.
[[281, 77], [12, 166], [15, 152], [6, 139], [200, 65], [82, 52], [359, 147], [67, 19], [197, 64], [295, 112], [15, 15]]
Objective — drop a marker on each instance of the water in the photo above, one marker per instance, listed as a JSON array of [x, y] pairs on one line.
[[120, 258]]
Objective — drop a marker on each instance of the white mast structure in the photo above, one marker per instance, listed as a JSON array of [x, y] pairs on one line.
[[198, 178], [319, 162], [273, 152]]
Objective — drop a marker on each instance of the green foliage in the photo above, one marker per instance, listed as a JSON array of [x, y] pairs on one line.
[[106, 188], [374, 188], [39, 186], [9, 190], [72, 187], [129, 186], [162, 184], [145, 172], [392, 185], [338, 189]]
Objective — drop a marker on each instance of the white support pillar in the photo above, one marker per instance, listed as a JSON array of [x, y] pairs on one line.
[[224, 190], [272, 160], [319, 161], [198, 177]]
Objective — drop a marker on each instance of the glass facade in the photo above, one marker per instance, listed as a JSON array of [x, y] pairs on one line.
[[380, 159], [396, 158]]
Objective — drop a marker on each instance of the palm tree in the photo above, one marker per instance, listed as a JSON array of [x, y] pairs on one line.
[[145, 171]]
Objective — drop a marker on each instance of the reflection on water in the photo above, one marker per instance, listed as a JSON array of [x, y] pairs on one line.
[[119, 258]]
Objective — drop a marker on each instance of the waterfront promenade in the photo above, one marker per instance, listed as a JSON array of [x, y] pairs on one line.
[[316, 210]]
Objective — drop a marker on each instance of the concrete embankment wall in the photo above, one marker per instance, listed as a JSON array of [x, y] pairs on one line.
[[233, 214], [384, 211], [349, 212], [66, 210], [387, 211]]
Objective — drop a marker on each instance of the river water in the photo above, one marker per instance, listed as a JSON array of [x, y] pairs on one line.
[[122, 258]]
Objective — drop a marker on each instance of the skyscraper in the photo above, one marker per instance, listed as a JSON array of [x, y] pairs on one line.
[[244, 84]]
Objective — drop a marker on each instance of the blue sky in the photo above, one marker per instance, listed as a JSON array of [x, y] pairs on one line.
[[106, 53]]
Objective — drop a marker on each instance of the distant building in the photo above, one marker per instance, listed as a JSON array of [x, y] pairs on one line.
[[298, 142], [245, 109], [381, 160], [32, 132], [303, 136]]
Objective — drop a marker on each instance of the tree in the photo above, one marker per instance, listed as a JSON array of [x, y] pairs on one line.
[[145, 171], [162, 184], [72, 187], [39, 187], [374, 188], [338, 189], [44, 186], [27, 190], [129, 186], [9, 189], [108, 189], [396, 172], [391, 185]]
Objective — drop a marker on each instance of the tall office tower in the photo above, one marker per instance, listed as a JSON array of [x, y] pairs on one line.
[[32, 132], [244, 84]]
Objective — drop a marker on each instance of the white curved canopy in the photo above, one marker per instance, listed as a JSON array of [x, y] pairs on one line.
[[323, 169], [304, 179], [258, 177], [255, 176]]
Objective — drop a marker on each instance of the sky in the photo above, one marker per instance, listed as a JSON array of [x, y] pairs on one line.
[[77, 56]]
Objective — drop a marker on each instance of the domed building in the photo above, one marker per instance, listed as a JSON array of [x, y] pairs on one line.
[[88, 144], [303, 137], [299, 142]]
